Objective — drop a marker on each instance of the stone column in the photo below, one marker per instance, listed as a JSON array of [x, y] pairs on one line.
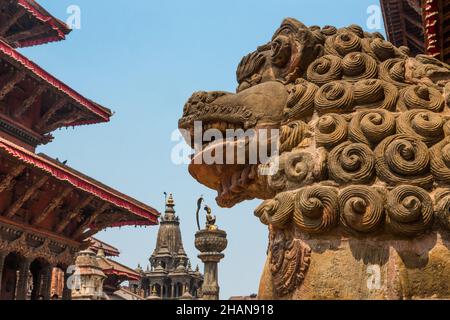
[[2, 263], [22, 283], [210, 286], [211, 243], [46, 281]]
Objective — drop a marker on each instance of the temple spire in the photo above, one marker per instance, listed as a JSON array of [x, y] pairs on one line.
[[169, 213], [170, 266]]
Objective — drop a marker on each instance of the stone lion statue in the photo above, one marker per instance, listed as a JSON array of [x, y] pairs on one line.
[[360, 205]]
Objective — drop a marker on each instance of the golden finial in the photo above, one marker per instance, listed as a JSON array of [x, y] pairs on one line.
[[170, 200]]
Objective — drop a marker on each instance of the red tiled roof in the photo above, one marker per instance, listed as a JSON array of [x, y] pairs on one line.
[[103, 114], [60, 28], [111, 267], [109, 250], [84, 183]]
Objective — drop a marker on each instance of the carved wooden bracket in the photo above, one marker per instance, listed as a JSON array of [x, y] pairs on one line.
[[30, 101], [15, 207], [9, 181], [54, 204], [15, 79], [72, 214], [90, 220]]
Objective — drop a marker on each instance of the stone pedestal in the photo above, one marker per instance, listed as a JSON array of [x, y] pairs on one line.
[[374, 268], [211, 243]]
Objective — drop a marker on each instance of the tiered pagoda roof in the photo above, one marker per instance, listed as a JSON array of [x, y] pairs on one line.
[[116, 272], [422, 25], [34, 103], [38, 194], [25, 23]]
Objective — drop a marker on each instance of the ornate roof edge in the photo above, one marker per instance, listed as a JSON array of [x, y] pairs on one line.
[[114, 269], [103, 113], [42, 15], [109, 250], [84, 183]]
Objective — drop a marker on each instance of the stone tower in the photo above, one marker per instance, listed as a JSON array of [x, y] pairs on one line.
[[170, 275], [88, 278]]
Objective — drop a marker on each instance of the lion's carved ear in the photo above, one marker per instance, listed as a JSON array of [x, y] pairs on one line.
[[305, 51]]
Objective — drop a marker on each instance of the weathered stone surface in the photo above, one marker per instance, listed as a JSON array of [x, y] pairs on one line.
[[369, 268], [364, 163]]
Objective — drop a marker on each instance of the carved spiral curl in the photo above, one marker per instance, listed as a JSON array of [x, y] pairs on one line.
[[371, 127], [403, 159], [351, 162], [331, 130], [409, 210], [329, 30], [299, 167], [362, 208], [356, 30], [325, 69], [342, 43], [292, 135], [357, 66], [382, 49], [442, 200], [316, 209], [334, 97], [278, 211], [393, 71], [425, 125], [440, 161], [301, 100], [375, 93], [422, 97]]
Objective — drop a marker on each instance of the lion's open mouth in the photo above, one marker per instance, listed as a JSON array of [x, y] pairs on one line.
[[234, 177], [233, 183], [213, 123], [231, 180], [195, 138]]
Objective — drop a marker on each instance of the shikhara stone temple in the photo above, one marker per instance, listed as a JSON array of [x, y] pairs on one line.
[[170, 275], [358, 208]]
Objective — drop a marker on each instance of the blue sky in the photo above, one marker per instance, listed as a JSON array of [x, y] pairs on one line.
[[143, 59]]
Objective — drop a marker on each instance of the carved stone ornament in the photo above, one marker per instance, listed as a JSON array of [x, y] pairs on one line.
[[364, 162], [289, 262]]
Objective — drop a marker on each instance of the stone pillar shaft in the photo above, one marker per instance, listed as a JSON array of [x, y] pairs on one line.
[[22, 283], [210, 286], [211, 243]]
